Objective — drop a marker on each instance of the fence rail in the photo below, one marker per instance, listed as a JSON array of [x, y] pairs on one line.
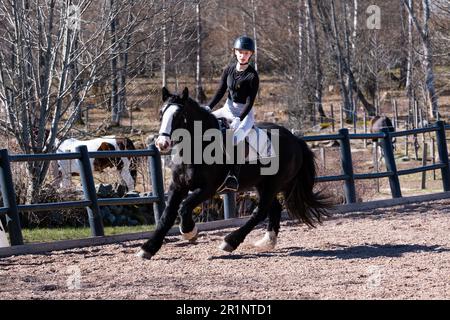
[[90, 201], [391, 173]]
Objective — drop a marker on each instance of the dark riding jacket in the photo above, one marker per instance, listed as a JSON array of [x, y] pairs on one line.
[[242, 87]]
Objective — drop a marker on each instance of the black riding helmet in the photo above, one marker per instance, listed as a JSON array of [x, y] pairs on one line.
[[244, 43]]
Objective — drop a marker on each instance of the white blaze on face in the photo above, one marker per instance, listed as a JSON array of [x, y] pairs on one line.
[[163, 141]]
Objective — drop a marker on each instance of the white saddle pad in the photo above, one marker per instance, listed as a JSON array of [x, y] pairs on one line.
[[261, 146]]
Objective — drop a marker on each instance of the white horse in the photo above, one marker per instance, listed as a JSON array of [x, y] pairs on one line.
[[125, 165]]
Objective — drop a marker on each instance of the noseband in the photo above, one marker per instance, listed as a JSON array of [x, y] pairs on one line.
[[165, 134]]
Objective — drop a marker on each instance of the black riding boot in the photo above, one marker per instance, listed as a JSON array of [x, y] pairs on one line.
[[231, 183]]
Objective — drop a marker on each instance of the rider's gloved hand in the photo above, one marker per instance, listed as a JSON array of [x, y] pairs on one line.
[[235, 123], [207, 108]]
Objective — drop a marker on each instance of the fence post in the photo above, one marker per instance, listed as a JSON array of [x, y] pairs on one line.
[[332, 117], [154, 163], [347, 166], [87, 181], [9, 199], [424, 163], [375, 164], [433, 156], [389, 158], [365, 127], [395, 114], [443, 154], [229, 205]]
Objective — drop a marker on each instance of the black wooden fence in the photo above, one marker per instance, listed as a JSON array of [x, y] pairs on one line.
[[92, 204], [349, 177], [90, 201]]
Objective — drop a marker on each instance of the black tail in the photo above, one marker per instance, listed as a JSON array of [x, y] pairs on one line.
[[301, 201]]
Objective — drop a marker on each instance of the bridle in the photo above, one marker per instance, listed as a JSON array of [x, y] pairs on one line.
[[179, 106]]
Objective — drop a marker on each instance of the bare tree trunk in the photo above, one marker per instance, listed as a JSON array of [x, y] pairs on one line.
[[349, 84], [428, 62], [255, 35], [427, 53], [330, 30], [115, 114], [76, 86], [355, 27], [164, 48], [318, 85], [301, 39], [305, 107], [200, 94], [410, 67], [404, 47], [307, 28], [290, 24], [340, 61], [123, 107], [46, 70]]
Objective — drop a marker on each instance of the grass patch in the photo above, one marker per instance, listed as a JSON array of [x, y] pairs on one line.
[[55, 234]]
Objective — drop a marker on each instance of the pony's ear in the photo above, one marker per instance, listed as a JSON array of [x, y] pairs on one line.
[[165, 94], [185, 94]]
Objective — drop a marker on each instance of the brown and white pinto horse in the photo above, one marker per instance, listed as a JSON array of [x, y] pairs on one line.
[[125, 165]]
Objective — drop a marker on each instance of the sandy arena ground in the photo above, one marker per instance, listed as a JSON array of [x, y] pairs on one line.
[[398, 253]]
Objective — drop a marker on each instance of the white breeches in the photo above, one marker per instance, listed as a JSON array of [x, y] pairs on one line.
[[233, 110]]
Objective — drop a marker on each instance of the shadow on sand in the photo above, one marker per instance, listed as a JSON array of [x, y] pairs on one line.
[[342, 252]]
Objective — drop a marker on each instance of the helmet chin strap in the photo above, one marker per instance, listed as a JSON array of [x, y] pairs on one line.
[[243, 64]]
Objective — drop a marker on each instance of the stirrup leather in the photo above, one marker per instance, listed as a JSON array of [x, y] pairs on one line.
[[224, 187]]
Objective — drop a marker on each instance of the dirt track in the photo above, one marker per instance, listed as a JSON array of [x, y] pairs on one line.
[[397, 253]]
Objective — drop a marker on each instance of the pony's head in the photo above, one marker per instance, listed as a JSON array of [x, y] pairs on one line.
[[171, 118], [176, 112]]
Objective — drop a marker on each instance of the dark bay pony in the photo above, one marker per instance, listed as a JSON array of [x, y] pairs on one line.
[[194, 183], [378, 123]]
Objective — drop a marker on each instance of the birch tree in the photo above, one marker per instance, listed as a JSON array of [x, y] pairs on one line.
[[424, 33], [328, 20], [38, 82], [318, 85], [200, 94]]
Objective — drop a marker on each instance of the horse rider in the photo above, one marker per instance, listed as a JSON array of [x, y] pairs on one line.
[[242, 82]]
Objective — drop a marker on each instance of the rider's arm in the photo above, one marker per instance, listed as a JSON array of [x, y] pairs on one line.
[[221, 90], [254, 86]]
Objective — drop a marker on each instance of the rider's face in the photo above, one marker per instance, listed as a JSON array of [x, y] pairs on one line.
[[243, 55]]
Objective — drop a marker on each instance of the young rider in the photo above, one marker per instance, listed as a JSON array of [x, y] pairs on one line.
[[242, 82]]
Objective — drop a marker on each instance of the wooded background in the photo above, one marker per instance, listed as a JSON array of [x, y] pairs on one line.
[[58, 58]]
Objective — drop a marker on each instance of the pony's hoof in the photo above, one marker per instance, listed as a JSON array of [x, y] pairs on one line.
[[144, 255], [268, 242], [191, 236], [226, 247]]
